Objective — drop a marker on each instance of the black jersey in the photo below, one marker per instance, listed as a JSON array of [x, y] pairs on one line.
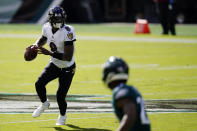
[[124, 91]]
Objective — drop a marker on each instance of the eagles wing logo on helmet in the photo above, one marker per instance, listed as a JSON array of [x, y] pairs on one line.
[[57, 17], [114, 69]]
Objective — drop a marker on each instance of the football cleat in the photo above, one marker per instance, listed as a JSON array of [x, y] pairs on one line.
[[61, 120], [41, 109]]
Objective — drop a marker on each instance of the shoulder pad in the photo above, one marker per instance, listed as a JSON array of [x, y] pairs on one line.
[[122, 93], [67, 28]]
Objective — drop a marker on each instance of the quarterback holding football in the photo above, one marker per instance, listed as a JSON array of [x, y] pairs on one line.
[[60, 38]]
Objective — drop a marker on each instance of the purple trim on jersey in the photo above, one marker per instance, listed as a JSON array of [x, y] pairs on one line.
[[67, 28]]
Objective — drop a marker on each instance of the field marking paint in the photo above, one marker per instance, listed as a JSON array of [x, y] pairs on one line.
[[131, 65], [13, 122], [151, 111], [172, 93], [111, 39], [147, 66], [138, 39], [174, 67]]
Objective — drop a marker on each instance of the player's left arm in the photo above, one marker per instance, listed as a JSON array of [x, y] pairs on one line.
[[130, 114], [68, 51]]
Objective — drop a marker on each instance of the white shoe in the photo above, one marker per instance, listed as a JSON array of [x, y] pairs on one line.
[[61, 120], [41, 109]]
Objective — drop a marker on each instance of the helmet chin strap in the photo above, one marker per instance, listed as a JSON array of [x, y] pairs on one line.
[[57, 25]]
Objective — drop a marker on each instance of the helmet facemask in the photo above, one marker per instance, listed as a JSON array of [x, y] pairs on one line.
[[57, 17], [57, 21]]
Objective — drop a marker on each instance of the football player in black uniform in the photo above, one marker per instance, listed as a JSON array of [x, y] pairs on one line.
[[60, 38], [167, 15], [127, 102]]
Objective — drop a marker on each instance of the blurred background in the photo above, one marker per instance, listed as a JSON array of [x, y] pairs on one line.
[[92, 11]]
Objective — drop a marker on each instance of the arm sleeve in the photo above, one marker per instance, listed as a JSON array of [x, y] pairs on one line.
[[68, 42]]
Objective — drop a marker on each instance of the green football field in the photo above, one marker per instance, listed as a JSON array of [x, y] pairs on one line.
[[161, 67], [94, 122]]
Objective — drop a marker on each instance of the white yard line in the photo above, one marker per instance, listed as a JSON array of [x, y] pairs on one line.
[[177, 67], [173, 93], [147, 66], [115, 38], [12, 122], [139, 39]]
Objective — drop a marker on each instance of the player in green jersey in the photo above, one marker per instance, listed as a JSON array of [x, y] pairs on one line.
[[127, 102]]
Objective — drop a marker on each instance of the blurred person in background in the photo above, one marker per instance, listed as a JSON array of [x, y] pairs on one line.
[[167, 15], [127, 101]]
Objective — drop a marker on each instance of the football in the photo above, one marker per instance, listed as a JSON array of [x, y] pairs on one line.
[[30, 53]]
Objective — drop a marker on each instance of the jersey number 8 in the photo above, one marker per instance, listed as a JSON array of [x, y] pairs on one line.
[[53, 47]]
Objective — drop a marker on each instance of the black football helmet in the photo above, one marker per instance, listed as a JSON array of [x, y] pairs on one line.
[[56, 17], [114, 69]]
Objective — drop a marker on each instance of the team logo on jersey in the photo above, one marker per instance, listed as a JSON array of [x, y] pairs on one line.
[[70, 35]]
